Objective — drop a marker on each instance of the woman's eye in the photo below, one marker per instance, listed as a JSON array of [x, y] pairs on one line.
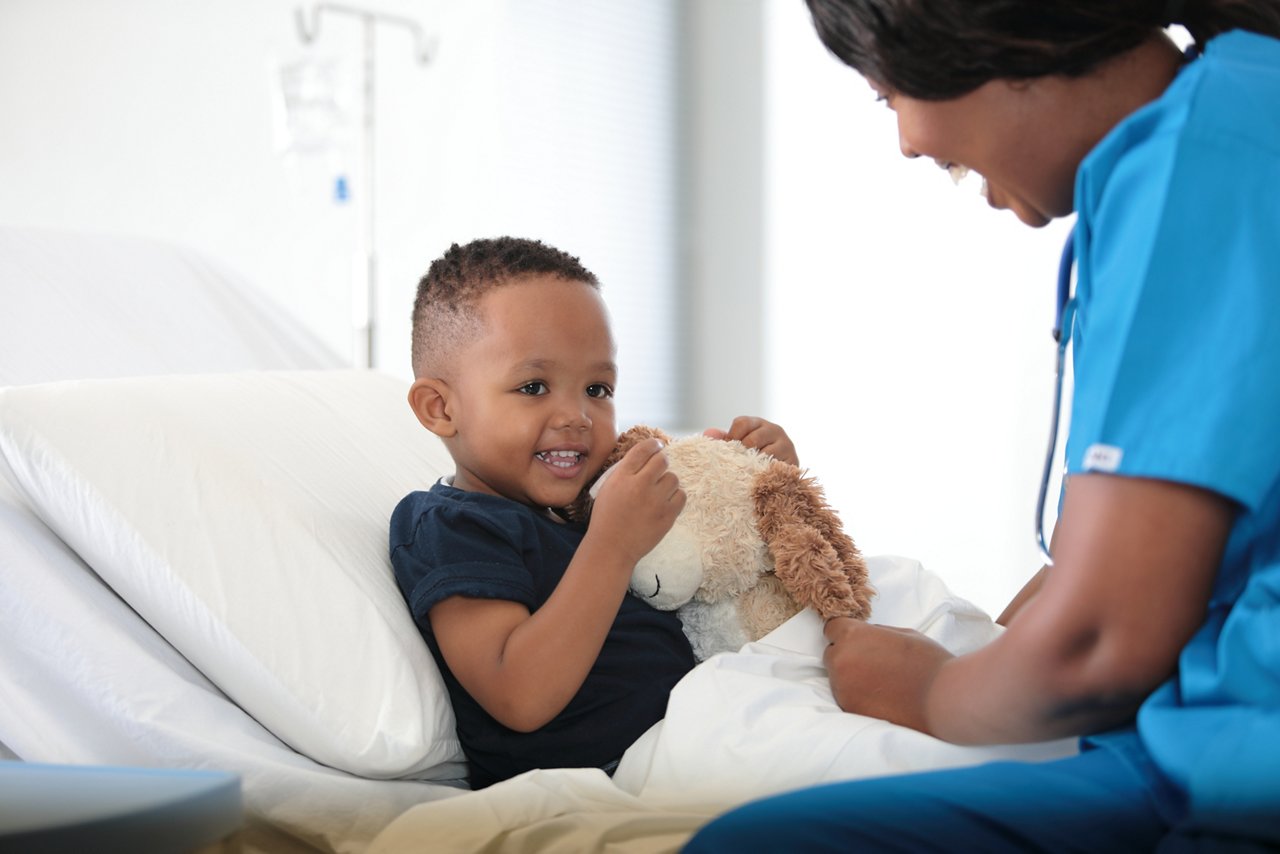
[[534, 388], [599, 390]]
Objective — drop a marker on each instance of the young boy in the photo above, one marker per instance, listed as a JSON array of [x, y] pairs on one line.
[[548, 662]]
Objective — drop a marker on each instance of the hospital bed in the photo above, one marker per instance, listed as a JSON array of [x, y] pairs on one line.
[[193, 574]]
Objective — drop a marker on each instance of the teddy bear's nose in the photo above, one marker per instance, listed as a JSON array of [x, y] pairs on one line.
[[657, 589]]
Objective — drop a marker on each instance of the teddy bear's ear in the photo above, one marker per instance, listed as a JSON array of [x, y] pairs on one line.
[[813, 557], [580, 509], [630, 439]]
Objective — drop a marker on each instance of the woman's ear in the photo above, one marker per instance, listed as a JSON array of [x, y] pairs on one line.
[[429, 400]]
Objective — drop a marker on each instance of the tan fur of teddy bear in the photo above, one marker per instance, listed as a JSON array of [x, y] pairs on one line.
[[755, 543]]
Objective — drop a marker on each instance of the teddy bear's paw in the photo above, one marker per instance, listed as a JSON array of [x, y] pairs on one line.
[[766, 606], [712, 627]]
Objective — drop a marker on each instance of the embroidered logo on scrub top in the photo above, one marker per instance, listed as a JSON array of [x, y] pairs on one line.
[[1103, 458]]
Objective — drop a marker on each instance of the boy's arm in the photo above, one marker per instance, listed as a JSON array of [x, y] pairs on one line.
[[523, 667]]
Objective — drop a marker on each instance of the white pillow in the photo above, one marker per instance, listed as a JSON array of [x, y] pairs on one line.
[[245, 517], [89, 305]]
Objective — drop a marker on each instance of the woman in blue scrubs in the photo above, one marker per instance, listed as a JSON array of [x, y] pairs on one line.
[[1156, 632]]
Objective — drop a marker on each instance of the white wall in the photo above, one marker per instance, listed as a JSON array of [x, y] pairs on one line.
[[154, 118], [908, 326], [544, 118]]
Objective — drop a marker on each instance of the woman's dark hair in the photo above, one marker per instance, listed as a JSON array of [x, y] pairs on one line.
[[939, 49]]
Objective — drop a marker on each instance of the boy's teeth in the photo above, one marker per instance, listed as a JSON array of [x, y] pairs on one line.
[[559, 458]]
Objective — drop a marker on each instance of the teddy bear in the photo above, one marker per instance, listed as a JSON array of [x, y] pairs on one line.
[[755, 543]]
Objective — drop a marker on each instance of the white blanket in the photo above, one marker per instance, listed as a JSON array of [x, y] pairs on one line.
[[740, 726]]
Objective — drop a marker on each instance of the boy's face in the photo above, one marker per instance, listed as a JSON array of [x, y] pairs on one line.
[[531, 399]]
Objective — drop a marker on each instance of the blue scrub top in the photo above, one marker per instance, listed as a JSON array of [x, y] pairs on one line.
[[1177, 377]]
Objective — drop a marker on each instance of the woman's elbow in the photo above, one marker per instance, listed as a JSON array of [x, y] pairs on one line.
[[1104, 676]]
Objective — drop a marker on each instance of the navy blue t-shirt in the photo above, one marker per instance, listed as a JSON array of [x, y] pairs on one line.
[[447, 542]]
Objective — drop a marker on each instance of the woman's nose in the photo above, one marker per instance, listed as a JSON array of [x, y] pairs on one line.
[[905, 146]]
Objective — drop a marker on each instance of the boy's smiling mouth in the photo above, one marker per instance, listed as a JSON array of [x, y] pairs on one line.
[[560, 459]]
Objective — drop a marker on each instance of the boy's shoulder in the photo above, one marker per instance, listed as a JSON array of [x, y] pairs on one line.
[[444, 506], [418, 508], [443, 496], [417, 502]]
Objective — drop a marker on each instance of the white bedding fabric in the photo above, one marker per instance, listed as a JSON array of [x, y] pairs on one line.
[[244, 516], [85, 680], [740, 726]]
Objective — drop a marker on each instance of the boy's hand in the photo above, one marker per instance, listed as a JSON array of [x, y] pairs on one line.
[[762, 435], [523, 667], [639, 502]]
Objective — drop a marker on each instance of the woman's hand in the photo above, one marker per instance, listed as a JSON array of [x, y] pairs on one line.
[[881, 671], [1135, 561], [764, 436]]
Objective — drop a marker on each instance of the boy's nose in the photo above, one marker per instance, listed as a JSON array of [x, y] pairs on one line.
[[573, 417]]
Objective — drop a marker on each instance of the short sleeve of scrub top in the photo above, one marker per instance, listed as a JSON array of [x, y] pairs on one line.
[[1177, 377]]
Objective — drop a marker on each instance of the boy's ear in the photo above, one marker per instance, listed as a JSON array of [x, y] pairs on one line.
[[429, 400]]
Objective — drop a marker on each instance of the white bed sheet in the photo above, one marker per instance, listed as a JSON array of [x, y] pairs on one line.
[[740, 726]]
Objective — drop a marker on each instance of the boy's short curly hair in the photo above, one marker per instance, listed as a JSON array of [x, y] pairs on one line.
[[444, 311]]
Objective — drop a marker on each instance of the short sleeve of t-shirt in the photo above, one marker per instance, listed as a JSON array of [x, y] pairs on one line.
[[448, 543], [1177, 338]]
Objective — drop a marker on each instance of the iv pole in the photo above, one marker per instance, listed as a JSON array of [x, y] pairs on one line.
[[424, 50]]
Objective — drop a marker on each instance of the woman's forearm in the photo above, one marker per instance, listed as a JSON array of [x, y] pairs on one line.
[[1021, 687], [1098, 632], [1028, 686], [1022, 597]]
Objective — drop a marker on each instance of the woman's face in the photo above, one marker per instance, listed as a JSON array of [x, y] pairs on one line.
[[1011, 133]]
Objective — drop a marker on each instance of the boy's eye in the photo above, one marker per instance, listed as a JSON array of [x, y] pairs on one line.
[[534, 388], [599, 390]]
